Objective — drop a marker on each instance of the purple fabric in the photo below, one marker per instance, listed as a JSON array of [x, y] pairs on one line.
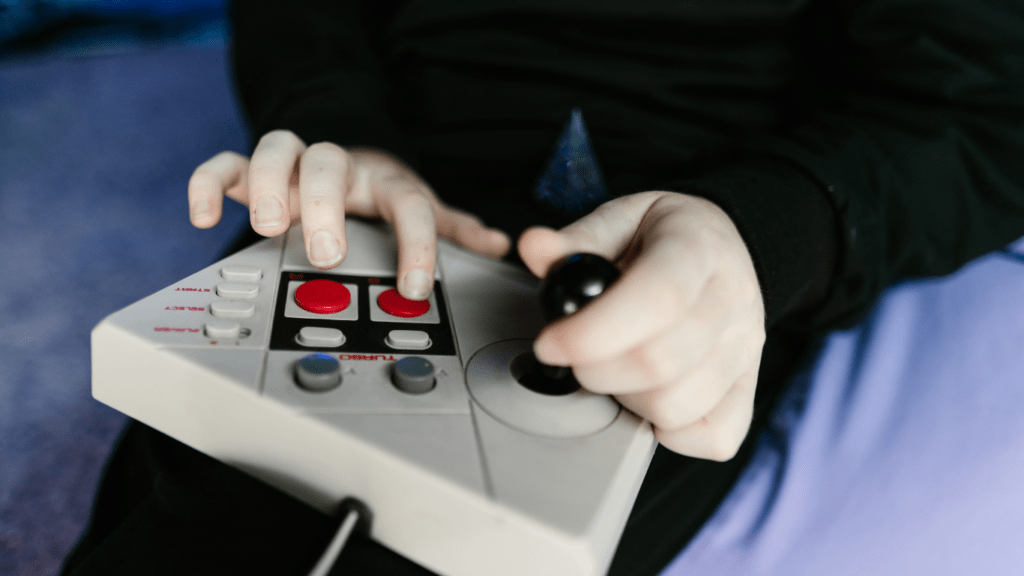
[[900, 453]]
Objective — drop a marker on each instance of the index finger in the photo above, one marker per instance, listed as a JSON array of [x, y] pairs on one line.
[[655, 292], [224, 174], [270, 175]]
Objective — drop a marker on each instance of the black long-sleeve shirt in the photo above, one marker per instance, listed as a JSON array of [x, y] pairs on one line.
[[853, 142]]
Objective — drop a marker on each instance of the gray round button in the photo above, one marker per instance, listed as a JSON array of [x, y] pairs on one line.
[[318, 373], [413, 375]]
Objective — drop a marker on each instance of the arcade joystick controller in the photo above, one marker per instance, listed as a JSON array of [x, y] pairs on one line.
[[328, 384]]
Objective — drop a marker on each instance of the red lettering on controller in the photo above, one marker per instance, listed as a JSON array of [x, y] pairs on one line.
[[186, 308], [293, 276], [366, 357], [170, 329], [373, 280], [191, 289]]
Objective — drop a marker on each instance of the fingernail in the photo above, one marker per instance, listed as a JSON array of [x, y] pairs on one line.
[[546, 352], [324, 249], [496, 237], [415, 285], [268, 212], [200, 208]]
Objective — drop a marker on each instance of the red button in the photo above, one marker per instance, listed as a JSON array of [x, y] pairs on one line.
[[322, 297], [395, 304]]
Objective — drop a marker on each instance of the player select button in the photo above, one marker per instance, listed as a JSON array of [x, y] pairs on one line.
[[316, 337], [408, 339], [395, 304], [322, 296], [223, 329]]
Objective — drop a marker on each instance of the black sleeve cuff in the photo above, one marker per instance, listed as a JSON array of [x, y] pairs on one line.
[[788, 224]]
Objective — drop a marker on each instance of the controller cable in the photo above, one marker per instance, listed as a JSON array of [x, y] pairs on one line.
[[355, 516]]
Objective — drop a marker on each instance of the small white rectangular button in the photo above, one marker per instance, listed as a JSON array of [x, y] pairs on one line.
[[235, 273], [408, 339], [232, 309], [222, 329], [315, 337], [238, 290]]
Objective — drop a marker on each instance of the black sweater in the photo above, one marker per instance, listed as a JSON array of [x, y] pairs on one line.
[[853, 142]]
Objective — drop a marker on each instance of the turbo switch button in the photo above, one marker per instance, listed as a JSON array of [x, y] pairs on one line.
[[318, 373], [413, 375], [322, 296]]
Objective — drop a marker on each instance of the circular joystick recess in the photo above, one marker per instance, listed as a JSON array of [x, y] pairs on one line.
[[322, 296], [413, 375], [395, 304], [318, 372], [493, 376]]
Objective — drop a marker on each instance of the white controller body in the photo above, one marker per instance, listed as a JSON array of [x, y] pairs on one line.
[[477, 476]]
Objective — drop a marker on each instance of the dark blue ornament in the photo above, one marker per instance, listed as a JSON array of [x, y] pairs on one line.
[[572, 181]]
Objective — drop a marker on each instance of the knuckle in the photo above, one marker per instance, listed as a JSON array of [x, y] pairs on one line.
[[722, 448], [666, 414], [658, 364], [203, 178], [669, 298], [279, 137], [408, 199], [327, 153]]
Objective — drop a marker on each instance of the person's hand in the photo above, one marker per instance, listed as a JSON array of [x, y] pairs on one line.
[[678, 338], [287, 182]]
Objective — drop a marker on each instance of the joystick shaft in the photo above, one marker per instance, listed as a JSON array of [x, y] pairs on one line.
[[571, 283]]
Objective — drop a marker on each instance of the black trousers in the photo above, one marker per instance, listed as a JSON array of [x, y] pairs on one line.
[[163, 508]]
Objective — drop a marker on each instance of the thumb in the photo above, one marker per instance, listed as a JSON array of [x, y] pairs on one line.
[[607, 232]]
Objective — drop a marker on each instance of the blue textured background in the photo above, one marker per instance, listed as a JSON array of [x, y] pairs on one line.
[[96, 148]]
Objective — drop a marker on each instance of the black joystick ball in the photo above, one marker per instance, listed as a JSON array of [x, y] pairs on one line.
[[570, 284]]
